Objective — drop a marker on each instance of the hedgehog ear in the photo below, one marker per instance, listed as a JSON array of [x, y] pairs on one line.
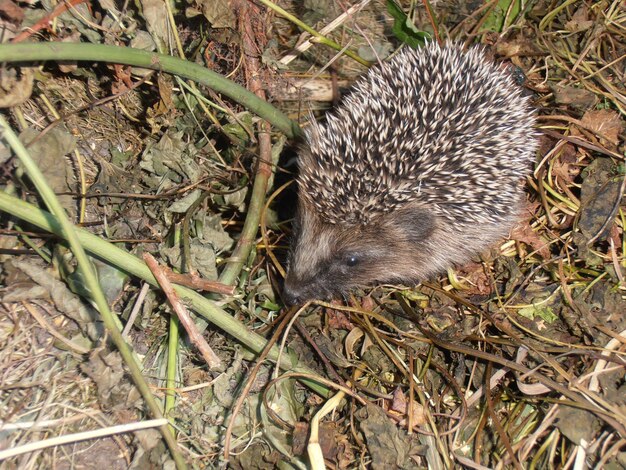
[[417, 223]]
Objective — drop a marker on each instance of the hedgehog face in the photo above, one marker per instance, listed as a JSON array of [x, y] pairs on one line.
[[329, 259]]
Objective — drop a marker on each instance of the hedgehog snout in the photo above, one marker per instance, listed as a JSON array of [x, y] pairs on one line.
[[291, 295], [296, 292], [316, 283]]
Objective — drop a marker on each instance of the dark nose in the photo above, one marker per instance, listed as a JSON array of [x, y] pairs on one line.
[[290, 295]]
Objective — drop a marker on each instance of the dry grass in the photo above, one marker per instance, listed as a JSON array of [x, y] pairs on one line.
[[513, 361]]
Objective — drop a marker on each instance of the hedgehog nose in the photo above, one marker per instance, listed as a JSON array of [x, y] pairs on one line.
[[291, 295]]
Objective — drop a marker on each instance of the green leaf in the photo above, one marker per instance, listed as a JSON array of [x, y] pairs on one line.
[[403, 28], [495, 20], [533, 311]]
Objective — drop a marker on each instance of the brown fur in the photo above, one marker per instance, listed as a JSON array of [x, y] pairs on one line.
[[405, 246]]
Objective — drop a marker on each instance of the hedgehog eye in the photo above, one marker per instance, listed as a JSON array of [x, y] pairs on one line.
[[352, 260]]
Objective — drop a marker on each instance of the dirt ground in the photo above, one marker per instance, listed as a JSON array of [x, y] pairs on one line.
[[514, 360]]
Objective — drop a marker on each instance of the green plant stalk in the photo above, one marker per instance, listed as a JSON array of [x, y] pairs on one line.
[[250, 228], [622, 216], [172, 359], [320, 37], [552, 14], [58, 51], [172, 362], [125, 261], [67, 230]]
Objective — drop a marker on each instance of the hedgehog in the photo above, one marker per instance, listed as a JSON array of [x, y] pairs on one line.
[[419, 169]]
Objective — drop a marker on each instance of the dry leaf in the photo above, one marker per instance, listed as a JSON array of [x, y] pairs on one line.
[[525, 234], [580, 20], [574, 97], [606, 124], [220, 13]]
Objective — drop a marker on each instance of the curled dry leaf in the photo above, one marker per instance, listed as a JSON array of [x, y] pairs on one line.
[[524, 233], [16, 86], [606, 124]]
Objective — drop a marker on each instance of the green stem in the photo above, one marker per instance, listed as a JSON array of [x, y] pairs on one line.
[[58, 51], [172, 360], [69, 232], [250, 228]]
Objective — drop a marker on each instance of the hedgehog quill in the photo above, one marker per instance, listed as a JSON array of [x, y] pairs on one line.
[[420, 168]]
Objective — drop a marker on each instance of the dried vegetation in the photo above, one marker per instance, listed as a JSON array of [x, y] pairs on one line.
[[514, 361]]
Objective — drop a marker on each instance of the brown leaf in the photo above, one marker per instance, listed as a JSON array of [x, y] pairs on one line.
[[389, 446], [600, 194], [338, 320], [519, 46], [606, 124], [299, 438], [524, 233], [615, 235], [220, 13], [477, 280], [16, 86], [399, 403], [574, 97], [564, 167], [580, 20], [335, 445]]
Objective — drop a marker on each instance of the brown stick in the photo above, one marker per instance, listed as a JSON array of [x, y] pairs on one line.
[[196, 338], [195, 282]]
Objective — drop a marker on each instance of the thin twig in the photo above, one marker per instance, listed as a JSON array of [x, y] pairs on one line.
[[196, 338], [341, 19]]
